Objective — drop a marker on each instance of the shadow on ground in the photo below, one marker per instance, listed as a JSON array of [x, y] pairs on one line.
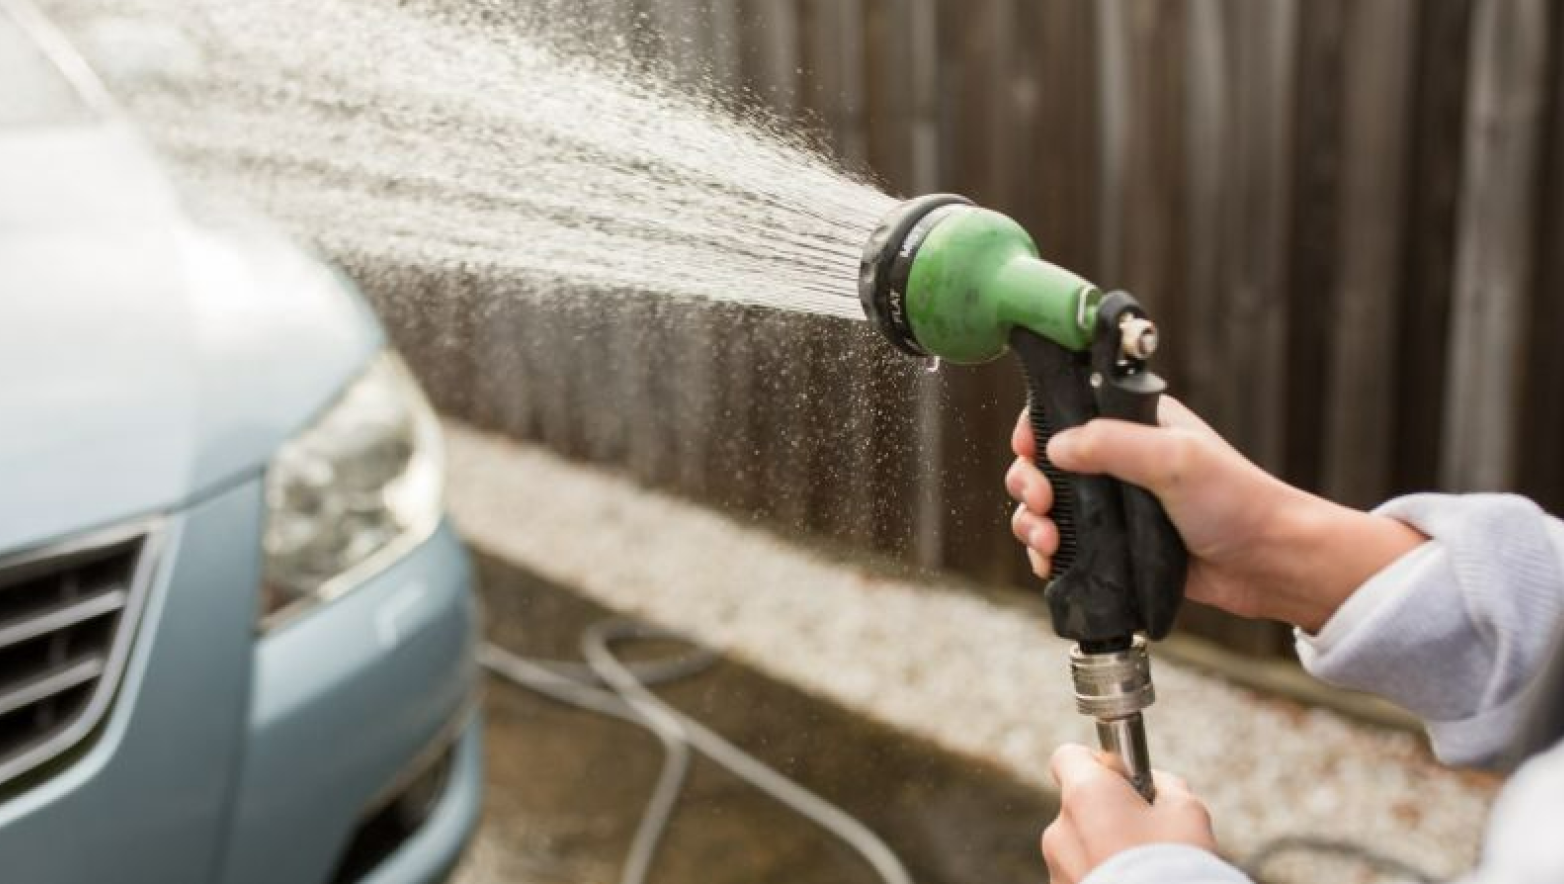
[[566, 788]]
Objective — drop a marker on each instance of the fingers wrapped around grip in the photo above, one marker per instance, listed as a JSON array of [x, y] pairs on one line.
[[1027, 484], [1101, 814], [1033, 492]]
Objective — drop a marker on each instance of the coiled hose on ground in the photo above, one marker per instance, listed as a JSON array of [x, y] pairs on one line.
[[608, 686]]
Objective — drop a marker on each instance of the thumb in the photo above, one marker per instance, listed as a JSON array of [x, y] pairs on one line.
[[1155, 458]]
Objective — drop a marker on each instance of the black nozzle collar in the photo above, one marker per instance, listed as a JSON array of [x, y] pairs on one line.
[[881, 289]]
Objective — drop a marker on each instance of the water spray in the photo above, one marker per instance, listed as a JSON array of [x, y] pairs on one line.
[[943, 278]]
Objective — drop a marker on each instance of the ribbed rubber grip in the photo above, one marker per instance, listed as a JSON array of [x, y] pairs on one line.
[[1089, 595], [1063, 510]]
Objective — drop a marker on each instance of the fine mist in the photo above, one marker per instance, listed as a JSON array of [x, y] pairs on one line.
[[397, 132]]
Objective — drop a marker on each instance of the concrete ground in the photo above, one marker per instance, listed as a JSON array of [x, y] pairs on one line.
[[566, 787], [877, 666]]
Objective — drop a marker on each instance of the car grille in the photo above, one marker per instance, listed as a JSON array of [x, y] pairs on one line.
[[67, 617]]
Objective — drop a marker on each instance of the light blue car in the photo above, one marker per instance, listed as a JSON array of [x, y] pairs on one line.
[[237, 635]]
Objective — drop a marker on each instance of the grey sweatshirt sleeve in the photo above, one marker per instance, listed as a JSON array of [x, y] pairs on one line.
[[1455, 630], [1165, 864]]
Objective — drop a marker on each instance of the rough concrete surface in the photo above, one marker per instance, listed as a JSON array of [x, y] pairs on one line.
[[566, 788], [978, 677]]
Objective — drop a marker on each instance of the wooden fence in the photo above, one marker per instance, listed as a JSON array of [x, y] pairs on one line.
[[1346, 215]]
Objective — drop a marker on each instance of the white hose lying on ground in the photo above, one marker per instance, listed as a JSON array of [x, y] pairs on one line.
[[627, 698]]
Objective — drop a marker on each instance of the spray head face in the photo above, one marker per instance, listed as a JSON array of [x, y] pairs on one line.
[[942, 277]]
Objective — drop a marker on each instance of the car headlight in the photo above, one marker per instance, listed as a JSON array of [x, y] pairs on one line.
[[355, 490]]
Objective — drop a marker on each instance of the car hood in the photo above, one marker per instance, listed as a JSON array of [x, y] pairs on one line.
[[145, 359]]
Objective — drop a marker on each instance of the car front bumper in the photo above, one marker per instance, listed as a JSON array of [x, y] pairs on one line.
[[351, 702], [429, 854]]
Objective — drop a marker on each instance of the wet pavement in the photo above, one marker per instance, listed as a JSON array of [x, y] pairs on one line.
[[566, 788]]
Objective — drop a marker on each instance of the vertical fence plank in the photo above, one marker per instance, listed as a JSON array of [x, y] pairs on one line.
[[692, 367], [663, 409], [619, 411], [997, 151], [1239, 165], [1542, 465], [556, 405], [842, 446], [606, 393], [1313, 262], [723, 463], [722, 28], [1493, 260], [737, 479], [1146, 254], [833, 72], [1059, 151], [852, 442], [1110, 40], [1374, 91], [787, 353], [887, 100], [1256, 227], [506, 386], [1433, 182], [1208, 112], [697, 364], [771, 44]]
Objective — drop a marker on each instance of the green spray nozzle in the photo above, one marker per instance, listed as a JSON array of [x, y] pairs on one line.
[[942, 277]]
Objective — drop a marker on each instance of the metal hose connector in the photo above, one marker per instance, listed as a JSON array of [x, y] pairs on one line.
[[1113, 687]]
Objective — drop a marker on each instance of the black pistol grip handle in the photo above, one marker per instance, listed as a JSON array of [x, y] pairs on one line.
[[1090, 595], [1158, 556]]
